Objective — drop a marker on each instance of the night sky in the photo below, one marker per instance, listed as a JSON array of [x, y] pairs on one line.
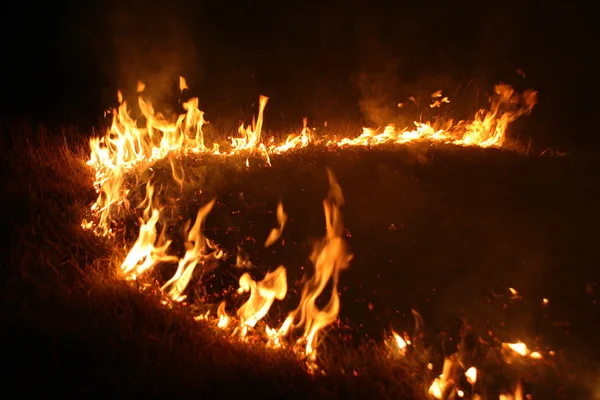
[[66, 60]]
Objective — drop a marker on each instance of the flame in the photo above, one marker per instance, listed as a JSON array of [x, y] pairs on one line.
[[197, 252], [130, 148], [223, 317], [179, 179], [127, 146], [536, 355], [262, 296], [329, 257], [517, 396], [147, 249], [250, 137], [443, 382], [293, 141], [545, 301], [400, 342], [276, 232], [471, 375], [519, 348]]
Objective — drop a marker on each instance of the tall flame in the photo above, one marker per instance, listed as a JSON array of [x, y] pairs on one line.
[[147, 249], [128, 148], [197, 252], [329, 257]]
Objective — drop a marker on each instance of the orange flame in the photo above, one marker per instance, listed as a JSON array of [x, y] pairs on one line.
[[276, 232], [197, 252], [125, 146], [400, 342], [442, 383], [329, 257], [262, 296], [471, 375]]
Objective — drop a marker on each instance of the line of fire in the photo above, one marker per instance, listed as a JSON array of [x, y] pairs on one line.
[[354, 223]]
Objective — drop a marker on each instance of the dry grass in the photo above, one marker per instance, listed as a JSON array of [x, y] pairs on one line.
[[76, 330]]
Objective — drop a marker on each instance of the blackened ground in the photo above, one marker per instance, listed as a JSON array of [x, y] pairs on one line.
[[436, 228]]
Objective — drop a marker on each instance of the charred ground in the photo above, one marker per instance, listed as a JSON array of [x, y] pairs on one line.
[[438, 229]]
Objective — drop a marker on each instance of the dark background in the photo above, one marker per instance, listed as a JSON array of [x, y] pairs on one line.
[[325, 60]]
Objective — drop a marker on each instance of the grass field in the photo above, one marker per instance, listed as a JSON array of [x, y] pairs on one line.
[[442, 230]]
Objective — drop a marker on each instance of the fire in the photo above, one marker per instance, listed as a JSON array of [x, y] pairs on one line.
[[196, 253], [262, 296], [518, 395], [471, 375], [147, 250], [223, 317], [400, 342], [521, 349], [276, 232], [518, 347], [129, 149], [329, 257], [443, 383], [126, 146]]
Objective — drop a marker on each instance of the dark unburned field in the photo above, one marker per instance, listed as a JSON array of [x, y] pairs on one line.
[[443, 230]]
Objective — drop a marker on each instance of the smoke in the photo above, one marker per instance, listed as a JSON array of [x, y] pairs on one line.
[[152, 45], [376, 90]]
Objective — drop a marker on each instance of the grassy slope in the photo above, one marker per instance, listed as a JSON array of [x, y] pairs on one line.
[[72, 328], [490, 216]]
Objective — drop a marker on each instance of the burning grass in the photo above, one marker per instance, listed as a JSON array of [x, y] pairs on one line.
[[80, 330], [64, 291]]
